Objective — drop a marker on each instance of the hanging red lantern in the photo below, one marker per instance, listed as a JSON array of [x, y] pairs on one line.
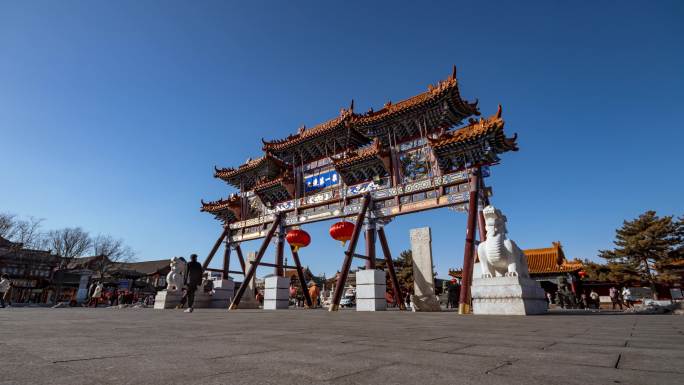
[[342, 231], [298, 238], [582, 274]]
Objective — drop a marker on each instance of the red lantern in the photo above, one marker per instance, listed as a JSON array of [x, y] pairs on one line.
[[298, 238], [582, 273], [342, 231]]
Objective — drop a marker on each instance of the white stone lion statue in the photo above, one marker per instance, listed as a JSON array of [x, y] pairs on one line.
[[175, 279], [500, 256]]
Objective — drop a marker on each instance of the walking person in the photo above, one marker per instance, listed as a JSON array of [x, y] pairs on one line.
[[627, 297], [5, 290], [314, 292], [97, 294], [595, 299], [615, 297], [193, 278]]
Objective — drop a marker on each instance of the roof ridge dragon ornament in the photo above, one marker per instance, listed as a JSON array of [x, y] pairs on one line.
[[499, 255]]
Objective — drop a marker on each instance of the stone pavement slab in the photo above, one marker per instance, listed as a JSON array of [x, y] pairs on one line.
[[145, 346]]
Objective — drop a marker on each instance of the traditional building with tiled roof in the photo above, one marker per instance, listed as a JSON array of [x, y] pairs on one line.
[[548, 262]]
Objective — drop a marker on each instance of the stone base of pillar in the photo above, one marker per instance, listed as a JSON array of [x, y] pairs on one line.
[[371, 286], [508, 296], [425, 303], [276, 293], [219, 299], [223, 293], [170, 299]]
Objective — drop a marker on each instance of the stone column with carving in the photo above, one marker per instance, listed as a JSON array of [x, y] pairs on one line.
[[423, 298]]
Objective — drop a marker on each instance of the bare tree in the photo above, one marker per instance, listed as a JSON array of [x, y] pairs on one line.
[[27, 232], [69, 242], [7, 222], [111, 251]]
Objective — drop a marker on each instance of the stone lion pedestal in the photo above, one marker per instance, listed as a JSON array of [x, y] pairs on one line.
[[504, 285], [508, 296]]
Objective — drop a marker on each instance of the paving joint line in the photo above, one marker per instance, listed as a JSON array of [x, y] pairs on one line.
[[501, 365], [364, 370], [96, 358]]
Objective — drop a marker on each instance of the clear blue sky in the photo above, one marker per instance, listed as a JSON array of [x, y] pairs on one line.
[[113, 114]]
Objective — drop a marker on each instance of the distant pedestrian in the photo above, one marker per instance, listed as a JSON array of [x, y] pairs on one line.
[[314, 292], [615, 297], [97, 294], [193, 278], [5, 290], [549, 298], [595, 299], [208, 284], [627, 297]]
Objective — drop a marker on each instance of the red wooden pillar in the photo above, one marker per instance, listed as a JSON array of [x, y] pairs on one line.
[[280, 244], [480, 217], [226, 259], [302, 279], [370, 245], [468, 253], [252, 268], [348, 255], [390, 268], [241, 259]]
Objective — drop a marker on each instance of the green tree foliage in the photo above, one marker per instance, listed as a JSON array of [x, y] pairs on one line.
[[644, 247], [404, 269], [403, 266]]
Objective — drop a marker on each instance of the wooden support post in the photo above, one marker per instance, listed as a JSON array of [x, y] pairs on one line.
[[280, 244], [468, 257], [370, 245], [226, 259], [390, 268], [214, 249], [349, 254], [252, 268], [238, 250], [480, 217], [302, 279]]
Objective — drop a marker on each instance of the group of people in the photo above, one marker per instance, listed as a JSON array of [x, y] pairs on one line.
[[621, 297], [567, 299], [298, 297]]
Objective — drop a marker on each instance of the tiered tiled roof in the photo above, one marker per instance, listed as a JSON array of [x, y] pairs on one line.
[[324, 139], [361, 165], [481, 140], [226, 209], [276, 190], [550, 260], [437, 108], [247, 174]]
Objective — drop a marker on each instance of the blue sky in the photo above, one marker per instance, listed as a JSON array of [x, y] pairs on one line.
[[113, 114]]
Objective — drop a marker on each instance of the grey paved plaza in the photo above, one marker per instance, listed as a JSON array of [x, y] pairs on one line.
[[144, 346]]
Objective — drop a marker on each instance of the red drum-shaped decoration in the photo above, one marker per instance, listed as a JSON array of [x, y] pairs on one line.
[[342, 231], [298, 238], [582, 273]]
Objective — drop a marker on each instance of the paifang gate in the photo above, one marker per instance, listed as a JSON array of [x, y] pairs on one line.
[[422, 153]]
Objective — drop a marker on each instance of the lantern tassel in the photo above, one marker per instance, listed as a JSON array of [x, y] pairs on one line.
[[295, 248]]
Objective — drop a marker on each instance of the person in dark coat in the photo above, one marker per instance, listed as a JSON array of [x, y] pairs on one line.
[[193, 278]]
